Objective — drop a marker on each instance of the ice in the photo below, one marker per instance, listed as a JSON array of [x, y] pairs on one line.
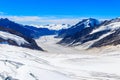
[[59, 62]]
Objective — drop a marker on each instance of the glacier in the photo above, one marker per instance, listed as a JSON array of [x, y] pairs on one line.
[[59, 62]]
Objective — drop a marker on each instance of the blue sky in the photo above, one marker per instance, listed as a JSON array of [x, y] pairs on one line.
[[59, 9]]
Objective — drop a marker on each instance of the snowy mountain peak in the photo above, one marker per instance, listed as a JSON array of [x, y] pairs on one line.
[[90, 22], [85, 23], [53, 26]]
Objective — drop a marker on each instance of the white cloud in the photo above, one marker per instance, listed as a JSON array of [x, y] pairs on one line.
[[41, 20]]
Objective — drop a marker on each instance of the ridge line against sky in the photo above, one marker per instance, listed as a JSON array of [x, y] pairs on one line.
[[58, 11]]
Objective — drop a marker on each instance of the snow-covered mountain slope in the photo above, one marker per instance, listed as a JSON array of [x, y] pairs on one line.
[[53, 26], [12, 37], [7, 36], [59, 62], [107, 33], [112, 27]]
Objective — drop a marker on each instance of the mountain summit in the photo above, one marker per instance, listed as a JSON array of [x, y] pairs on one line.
[[85, 23]]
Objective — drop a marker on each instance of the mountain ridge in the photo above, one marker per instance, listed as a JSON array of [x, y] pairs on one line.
[[102, 34]]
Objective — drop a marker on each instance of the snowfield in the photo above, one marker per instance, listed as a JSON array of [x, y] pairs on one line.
[[17, 39], [59, 62]]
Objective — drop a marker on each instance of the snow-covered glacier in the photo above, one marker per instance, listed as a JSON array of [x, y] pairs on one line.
[[59, 62]]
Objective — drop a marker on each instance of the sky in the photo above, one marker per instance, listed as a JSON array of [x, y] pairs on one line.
[[58, 11]]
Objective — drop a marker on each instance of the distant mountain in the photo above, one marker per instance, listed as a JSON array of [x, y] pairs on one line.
[[98, 34], [12, 37], [55, 27], [28, 31]]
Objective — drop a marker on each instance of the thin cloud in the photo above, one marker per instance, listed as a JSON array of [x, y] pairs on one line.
[[2, 13], [41, 20], [37, 20]]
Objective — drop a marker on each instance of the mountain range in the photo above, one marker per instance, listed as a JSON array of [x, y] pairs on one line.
[[90, 31]]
